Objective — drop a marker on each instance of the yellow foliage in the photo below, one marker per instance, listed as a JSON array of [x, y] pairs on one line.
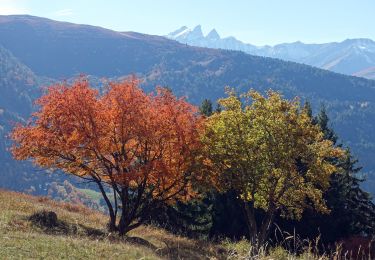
[[269, 151]]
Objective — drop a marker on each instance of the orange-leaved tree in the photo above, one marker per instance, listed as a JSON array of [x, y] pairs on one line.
[[138, 148]]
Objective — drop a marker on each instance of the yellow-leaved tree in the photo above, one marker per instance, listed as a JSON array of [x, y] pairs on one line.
[[267, 150]]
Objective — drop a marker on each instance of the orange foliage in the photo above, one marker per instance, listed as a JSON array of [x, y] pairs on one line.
[[125, 138]]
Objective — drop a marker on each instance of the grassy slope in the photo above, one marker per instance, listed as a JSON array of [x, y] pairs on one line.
[[81, 235], [83, 238]]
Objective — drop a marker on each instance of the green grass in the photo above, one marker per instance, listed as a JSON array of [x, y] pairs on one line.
[[84, 236], [20, 239], [94, 195], [81, 234], [26, 245]]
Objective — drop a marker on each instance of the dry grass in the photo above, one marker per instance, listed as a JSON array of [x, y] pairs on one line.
[[84, 236], [172, 246], [241, 250], [81, 234], [20, 239]]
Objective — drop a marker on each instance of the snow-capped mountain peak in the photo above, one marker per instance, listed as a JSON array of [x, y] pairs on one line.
[[213, 35], [196, 33], [351, 56], [187, 35], [179, 32]]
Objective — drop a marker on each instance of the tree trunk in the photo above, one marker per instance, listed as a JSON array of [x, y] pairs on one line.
[[124, 218], [112, 216], [265, 228], [251, 222], [123, 224], [258, 237], [126, 223]]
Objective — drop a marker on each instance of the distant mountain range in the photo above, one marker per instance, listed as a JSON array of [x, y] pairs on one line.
[[352, 57], [36, 51]]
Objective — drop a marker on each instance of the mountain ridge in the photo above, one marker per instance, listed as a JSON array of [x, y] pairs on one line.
[[351, 56]]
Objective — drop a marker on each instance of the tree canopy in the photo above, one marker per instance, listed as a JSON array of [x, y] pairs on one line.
[[269, 152], [139, 146]]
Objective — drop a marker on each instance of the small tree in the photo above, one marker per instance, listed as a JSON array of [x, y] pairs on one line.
[[206, 107], [140, 147], [271, 155]]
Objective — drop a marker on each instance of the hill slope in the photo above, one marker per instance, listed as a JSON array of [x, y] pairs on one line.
[[75, 232], [18, 89], [61, 50], [367, 73], [80, 233]]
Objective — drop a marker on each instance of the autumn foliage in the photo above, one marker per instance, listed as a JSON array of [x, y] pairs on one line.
[[268, 151], [147, 150], [138, 148]]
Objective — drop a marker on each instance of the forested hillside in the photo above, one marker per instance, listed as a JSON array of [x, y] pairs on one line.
[[62, 50], [19, 87]]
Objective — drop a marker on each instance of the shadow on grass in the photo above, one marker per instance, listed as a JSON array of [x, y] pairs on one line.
[[49, 223], [181, 250], [185, 251]]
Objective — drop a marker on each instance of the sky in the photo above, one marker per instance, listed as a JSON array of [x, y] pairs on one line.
[[258, 22]]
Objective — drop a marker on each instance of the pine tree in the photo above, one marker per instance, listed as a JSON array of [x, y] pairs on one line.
[[192, 219], [206, 108], [323, 121], [218, 108], [353, 206], [352, 209], [308, 109]]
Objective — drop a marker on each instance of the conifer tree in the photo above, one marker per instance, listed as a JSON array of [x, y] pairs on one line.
[[218, 108], [352, 210], [323, 121], [206, 108]]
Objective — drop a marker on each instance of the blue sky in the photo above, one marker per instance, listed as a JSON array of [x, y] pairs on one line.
[[254, 21]]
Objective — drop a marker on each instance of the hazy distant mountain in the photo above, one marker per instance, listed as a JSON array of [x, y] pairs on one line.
[[366, 73], [351, 57], [195, 37], [61, 50]]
